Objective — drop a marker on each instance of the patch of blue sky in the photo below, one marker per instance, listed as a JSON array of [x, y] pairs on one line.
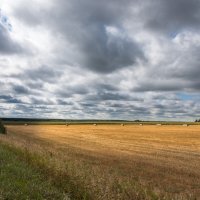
[[173, 34], [188, 96], [4, 21]]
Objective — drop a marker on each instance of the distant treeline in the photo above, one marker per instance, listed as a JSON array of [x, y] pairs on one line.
[[61, 120], [35, 121], [43, 121]]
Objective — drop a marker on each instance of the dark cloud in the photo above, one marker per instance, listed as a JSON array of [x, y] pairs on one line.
[[36, 77], [7, 44], [34, 84], [196, 85], [104, 96], [105, 87], [43, 73], [85, 25], [172, 16], [110, 53], [158, 86], [111, 96], [69, 91], [64, 102], [103, 59], [10, 99], [39, 101], [20, 89]]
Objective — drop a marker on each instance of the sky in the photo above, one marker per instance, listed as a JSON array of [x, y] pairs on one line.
[[108, 59]]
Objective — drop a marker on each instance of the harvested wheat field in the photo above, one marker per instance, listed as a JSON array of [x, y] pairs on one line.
[[114, 161]]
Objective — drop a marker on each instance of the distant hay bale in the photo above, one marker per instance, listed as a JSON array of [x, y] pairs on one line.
[[94, 124], [141, 124], [122, 124], [66, 124], [185, 125], [159, 124], [25, 124]]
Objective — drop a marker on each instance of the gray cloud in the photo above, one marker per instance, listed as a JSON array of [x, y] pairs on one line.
[[20, 89], [43, 73], [105, 87], [39, 101], [103, 59], [7, 45], [172, 16], [106, 96], [178, 72], [110, 53], [10, 99], [158, 85], [69, 91], [85, 26]]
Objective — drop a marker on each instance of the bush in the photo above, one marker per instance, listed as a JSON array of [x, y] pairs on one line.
[[2, 128]]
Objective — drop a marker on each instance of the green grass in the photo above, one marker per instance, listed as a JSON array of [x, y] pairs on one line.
[[25, 163], [18, 180]]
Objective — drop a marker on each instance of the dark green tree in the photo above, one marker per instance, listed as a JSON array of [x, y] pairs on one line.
[[2, 128]]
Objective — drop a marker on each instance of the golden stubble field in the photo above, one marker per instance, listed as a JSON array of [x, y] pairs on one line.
[[120, 162]]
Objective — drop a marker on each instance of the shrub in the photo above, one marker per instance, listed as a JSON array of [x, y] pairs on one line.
[[2, 128]]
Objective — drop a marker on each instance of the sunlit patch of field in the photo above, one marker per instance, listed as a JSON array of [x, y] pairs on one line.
[[118, 162]]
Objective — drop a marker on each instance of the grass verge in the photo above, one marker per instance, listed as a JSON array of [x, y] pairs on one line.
[[18, 180], [27, 175]]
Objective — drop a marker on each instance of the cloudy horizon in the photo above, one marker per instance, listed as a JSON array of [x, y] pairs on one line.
[[100, 60]]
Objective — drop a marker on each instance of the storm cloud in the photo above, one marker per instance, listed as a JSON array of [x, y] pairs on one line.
[[95, 29], [173, 16], [101, 59]]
